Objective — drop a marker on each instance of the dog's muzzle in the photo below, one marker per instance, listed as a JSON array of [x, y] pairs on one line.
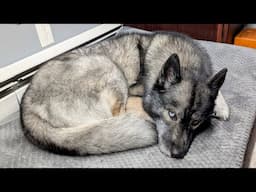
[[180, 150]]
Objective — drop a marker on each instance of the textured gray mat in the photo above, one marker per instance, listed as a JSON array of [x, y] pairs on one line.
[[222, 146]]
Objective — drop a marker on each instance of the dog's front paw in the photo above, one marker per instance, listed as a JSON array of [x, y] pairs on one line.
[[221, 109], [222, 112]]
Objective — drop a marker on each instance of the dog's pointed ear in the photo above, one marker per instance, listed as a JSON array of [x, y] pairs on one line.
[[170, 73], [217, 80], [171, 69]]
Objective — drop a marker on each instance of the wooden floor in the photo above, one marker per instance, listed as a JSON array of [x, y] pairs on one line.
[[247, 38]]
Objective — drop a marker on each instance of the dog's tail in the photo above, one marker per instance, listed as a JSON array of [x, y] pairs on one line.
[[127, 131]]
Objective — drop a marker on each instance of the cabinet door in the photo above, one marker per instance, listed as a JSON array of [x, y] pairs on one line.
[[198, 31], [224, 33], [230, 31]]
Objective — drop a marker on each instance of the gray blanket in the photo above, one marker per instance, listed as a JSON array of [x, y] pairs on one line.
[[222, 146]]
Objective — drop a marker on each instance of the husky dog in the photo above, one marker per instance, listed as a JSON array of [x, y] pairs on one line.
[[76, 102]]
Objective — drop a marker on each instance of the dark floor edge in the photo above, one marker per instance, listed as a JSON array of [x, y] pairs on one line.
[[250, 145]]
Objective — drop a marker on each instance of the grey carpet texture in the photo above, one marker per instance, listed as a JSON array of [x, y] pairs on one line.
[[222, 146]]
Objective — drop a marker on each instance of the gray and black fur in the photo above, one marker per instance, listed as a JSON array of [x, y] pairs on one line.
[[76, 102]]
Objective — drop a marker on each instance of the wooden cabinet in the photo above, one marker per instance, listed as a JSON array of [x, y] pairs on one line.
[[224, 33]]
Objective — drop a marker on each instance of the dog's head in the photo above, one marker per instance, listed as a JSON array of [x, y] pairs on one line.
[[181, 106]]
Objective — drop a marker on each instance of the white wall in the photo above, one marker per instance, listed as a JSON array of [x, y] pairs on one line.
[[251, 26], [20, 41], [66, 40]]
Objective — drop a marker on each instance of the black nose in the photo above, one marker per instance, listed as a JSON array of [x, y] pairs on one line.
[[177, 153]]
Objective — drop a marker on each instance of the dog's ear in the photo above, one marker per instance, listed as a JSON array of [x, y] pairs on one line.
[[171, 69], [170, 73], [217, 80]]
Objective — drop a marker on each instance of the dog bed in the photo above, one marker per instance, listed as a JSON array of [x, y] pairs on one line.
[[222, 146]]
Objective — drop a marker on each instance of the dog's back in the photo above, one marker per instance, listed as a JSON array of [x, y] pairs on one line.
[[75, 104]]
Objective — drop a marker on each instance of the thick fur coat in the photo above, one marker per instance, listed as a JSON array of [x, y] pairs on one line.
[[76, 102]]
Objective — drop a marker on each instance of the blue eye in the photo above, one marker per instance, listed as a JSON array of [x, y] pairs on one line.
[[172, 115]]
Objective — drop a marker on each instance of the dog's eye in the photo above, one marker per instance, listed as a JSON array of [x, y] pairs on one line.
[[172, 115], [195, 122]]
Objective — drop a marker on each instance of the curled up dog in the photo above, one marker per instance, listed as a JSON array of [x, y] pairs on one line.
[[76, 102]]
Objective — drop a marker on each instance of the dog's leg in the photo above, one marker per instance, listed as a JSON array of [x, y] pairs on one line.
[[136, 90], [221, 109], [115, 100], [117, 108]]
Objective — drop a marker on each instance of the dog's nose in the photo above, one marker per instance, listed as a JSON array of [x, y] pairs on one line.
[[177, 153]]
